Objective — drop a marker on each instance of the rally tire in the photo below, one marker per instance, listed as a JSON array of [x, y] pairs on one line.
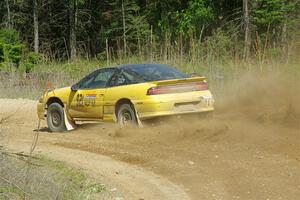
[[55, 118], [126, 115]]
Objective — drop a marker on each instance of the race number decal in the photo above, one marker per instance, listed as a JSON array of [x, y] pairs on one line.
[[85, 100], [79, 100]]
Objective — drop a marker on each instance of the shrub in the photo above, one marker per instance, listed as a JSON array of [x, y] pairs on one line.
[[218, 45], [31, 60], [9, 36], [10, 46], [1, 52], [15, 53]]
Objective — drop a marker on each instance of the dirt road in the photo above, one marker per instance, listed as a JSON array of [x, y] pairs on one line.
[[249, 148]]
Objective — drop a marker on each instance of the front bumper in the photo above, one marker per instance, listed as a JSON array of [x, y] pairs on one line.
[[41, 110]]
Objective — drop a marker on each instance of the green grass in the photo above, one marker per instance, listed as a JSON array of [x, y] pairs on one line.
[[48, 179], [78, 182], [10, 191], [75, 175]]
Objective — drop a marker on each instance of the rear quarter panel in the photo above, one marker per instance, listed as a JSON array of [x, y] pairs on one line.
[[136, 93]]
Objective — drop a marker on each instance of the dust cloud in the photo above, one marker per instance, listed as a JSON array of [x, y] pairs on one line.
[[269, 101], [248, 147]]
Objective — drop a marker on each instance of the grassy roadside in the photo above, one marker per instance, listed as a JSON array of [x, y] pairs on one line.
[[17, 84], [48, 179]]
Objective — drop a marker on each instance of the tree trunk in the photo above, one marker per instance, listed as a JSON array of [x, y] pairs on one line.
[[36, 26], [151, 43], [139, 44], [107, 52], [72, 27], [124, 29], [284, 35], [8, 15], [247, 29], [181, 47]]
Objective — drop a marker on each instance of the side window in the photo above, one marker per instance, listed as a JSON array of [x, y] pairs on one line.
[[84, 83], [118, 79], [101, 79], [97, 79], [125, 78], [130, 77]]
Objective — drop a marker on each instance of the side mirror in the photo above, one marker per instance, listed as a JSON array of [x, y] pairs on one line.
[[74, 87]]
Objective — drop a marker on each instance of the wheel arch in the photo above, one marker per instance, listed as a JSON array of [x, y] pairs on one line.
[[54, 100], [121, 102]]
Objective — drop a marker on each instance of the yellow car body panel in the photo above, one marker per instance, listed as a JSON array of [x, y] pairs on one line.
[[100, 104]]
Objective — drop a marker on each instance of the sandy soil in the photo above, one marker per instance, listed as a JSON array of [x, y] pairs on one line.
[[249, 148]]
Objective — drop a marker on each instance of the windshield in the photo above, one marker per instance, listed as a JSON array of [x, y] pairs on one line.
[[155, 72]]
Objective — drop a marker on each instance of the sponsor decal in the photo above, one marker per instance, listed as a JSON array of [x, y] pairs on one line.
[[90, 96], [90, 99]]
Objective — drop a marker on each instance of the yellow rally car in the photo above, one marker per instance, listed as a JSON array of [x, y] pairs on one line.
[[125, 94]]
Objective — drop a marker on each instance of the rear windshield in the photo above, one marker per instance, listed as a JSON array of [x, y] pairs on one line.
[[156, 72]]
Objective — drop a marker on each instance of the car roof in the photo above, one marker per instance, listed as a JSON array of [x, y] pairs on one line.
[[140, 65], [124, 66]]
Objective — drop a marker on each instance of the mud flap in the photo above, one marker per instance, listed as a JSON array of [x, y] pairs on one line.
[[140, 124], [70, 125]]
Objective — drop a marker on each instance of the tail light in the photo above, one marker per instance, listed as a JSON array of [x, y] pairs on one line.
[[179, 88], [158, 90], [202, 86]]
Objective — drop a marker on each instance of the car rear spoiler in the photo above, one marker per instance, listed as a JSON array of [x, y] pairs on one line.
[[179, 81]]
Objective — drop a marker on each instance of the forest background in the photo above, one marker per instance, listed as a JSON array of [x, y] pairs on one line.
[[62, 40]]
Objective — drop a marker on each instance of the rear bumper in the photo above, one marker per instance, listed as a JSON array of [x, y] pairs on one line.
[[150, 115], [175, 104]]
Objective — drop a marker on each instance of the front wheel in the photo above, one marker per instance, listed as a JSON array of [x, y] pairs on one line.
[[55, 118], [126, 115]]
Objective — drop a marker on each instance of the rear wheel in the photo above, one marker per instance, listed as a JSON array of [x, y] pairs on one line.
[[55, 118], [126, 115]]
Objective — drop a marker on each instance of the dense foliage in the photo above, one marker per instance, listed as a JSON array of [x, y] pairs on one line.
[[109, 29], [10, 46]]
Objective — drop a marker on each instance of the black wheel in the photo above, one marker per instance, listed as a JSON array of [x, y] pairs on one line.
[[55, 118], [126, 115]]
